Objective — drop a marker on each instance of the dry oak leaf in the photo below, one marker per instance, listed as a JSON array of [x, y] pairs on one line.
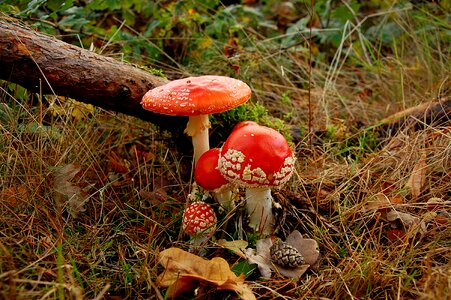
[[416, 182], [75, 197], [183, 268]]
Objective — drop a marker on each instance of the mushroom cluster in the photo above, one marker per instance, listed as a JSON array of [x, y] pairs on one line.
[[255, 157]]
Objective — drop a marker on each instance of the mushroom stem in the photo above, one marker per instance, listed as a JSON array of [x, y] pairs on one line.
[[197, 243], [224, 198], [258, 205], [197, 129]]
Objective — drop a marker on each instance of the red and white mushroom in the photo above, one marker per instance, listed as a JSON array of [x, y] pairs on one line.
[[199, 220], [208, 176], [257, 158], [197, 97]]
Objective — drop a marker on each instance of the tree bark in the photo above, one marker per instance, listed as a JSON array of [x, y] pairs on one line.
[[40, 62]]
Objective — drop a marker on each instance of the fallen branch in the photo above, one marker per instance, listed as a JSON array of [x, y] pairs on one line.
[[429, 114], [40, 62]]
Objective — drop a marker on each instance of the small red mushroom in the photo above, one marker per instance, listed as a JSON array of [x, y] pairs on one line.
[[257, 158], [197, 97], [208, 176], [199, 219]]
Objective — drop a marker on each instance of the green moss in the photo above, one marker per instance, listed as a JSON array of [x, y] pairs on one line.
[[222, 124]]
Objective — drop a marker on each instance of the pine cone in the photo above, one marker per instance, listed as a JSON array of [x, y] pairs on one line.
[[285, 255]]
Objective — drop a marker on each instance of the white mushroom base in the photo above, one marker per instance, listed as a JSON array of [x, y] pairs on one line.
[[259, 209]]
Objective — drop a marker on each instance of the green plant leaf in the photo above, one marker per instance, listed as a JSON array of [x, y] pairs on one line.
[[243, 267]]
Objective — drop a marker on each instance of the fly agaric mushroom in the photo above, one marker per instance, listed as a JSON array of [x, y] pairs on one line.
[[257, 158], [199, 219], [197, 97], [210, 179]]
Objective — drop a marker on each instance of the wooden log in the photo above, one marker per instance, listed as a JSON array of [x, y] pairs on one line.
[[37, 61]]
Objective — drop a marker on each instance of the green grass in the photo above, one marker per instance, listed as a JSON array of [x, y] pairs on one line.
[[135, 182]]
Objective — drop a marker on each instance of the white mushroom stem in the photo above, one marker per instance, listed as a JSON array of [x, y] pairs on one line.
[[197, 129], [224, 198], [258, 205], [198, 242]]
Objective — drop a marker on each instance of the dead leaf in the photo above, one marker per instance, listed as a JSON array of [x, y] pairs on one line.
[[261, 256], [407, 220], [75, 196], [442, 220], [117, 164], [417, 179], [394, 235], [236, 247], [379, 201], [182, 269], [382, 203], [307, 247], [154, 198]]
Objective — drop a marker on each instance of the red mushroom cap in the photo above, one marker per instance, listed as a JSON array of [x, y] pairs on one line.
[[198, 217], [207, 174], [244, 123], [195, 96], [256, 156]]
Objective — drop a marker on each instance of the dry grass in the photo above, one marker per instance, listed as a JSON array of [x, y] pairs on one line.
[[98, 237]]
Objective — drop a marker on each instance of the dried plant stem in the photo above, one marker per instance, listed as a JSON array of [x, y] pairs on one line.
[[310, 117]]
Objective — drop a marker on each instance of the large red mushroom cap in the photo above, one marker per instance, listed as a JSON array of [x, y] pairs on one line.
[[199, 217], [256, 156], [195, 96]]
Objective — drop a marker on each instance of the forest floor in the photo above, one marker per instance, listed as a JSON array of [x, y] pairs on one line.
[[89, 199]]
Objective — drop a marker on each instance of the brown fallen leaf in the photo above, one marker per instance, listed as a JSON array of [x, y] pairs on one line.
[[183, 268], [407, 220], [75, 197], [417, 179], [378, 202], [117, 164], [394, 235], [381, 202]]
